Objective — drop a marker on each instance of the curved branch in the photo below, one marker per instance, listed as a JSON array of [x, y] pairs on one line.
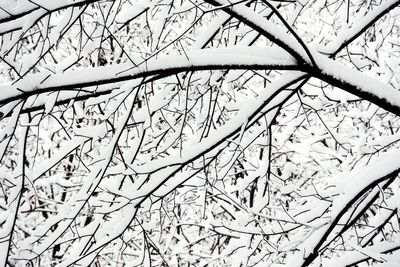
[[210, 59]]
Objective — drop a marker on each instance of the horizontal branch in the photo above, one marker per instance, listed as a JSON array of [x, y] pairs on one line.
[[210, 59]]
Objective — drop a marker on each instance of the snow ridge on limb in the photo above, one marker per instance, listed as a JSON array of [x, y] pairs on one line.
[[208, 59], [358, 83]]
